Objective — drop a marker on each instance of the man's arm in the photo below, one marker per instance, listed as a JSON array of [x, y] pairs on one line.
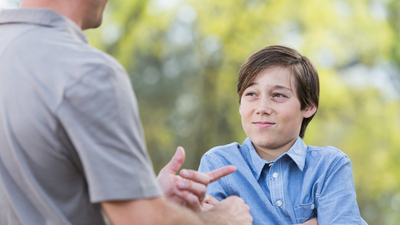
[[169, 210], [157, 211], [188, 189]]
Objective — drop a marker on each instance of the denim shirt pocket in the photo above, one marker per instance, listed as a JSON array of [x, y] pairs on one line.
[[304, 212]]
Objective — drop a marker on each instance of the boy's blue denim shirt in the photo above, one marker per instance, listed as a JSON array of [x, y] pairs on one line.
[[303, 183]]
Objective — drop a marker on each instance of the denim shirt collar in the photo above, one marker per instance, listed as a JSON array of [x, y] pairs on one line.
[[297, 153], [42, 17]]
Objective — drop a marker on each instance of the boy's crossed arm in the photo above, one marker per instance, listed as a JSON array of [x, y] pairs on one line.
[[210, 201]]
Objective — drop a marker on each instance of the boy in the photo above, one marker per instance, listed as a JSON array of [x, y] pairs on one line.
[[279, 177]]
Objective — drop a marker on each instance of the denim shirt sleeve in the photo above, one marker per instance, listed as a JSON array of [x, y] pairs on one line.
[[218, 188], [336, 201]]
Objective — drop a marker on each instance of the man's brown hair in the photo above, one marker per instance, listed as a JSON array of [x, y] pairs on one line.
[[303, 70]]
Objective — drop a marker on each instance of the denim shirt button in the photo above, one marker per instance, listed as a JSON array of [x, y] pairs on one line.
[[279, 203], [275, 175], [312, 207]]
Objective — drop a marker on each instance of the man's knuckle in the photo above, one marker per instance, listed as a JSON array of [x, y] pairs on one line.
[[193, 200], [190, 184], [203, 189]]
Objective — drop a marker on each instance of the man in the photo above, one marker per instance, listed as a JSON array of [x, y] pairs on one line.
[[71, 142]]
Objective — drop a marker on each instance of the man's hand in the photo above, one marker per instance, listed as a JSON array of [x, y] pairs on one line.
[[189, 189], [232, 211], [209, 202]]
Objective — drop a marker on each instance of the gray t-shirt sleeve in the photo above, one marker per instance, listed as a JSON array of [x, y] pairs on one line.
[[100, 115]]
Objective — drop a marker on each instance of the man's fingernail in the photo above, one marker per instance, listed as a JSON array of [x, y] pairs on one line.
[[185, 173], [181, 184], [177, 192]]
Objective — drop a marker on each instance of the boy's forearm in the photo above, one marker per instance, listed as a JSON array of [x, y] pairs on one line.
[[313, 221]]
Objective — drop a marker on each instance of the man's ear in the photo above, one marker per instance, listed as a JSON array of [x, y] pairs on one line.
[[309, 111]]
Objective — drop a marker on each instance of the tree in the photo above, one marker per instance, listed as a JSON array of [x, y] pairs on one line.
[[184, 56]]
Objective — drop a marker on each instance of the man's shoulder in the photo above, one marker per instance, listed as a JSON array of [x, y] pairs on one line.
[[59, 45], [51, 46]]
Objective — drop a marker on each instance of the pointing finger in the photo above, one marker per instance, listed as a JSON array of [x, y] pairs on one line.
[[221, 172]]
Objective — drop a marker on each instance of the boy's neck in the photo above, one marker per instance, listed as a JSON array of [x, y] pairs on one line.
[[272, 154]]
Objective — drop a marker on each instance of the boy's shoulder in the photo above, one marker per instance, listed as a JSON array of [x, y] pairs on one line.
[[230, 154], [326, 155], [224, 150], [324, 151]]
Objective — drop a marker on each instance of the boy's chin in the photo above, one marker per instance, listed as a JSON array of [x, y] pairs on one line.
[[264, 144]]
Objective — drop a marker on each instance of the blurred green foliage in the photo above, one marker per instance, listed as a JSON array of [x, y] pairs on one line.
[[183, 57]]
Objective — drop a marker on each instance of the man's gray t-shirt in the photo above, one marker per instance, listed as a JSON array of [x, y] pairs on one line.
[[70, 133]]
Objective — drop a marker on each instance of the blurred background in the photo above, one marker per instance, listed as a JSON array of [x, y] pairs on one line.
[[183, 58]]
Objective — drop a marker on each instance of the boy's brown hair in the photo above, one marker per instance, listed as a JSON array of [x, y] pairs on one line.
[[303, 70]]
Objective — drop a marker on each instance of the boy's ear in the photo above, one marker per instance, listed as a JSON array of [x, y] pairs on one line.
[[309, 111]]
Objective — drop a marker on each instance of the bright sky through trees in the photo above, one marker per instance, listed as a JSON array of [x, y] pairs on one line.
[[183, 57]]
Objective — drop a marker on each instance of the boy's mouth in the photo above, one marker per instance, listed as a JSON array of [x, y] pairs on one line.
[[263, 124]]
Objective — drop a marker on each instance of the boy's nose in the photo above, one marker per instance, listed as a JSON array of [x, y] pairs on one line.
[[264, 107]]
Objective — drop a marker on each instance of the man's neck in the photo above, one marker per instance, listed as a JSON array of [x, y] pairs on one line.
[[66, 8]]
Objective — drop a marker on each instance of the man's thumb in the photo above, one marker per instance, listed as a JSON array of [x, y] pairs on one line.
[[176, 162]]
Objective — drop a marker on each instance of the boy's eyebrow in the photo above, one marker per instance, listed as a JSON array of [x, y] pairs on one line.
[[272, 86], [280, 87], [252, 83]]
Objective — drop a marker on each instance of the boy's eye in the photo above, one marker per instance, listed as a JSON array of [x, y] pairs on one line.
[[278, 95], [250, 94]]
